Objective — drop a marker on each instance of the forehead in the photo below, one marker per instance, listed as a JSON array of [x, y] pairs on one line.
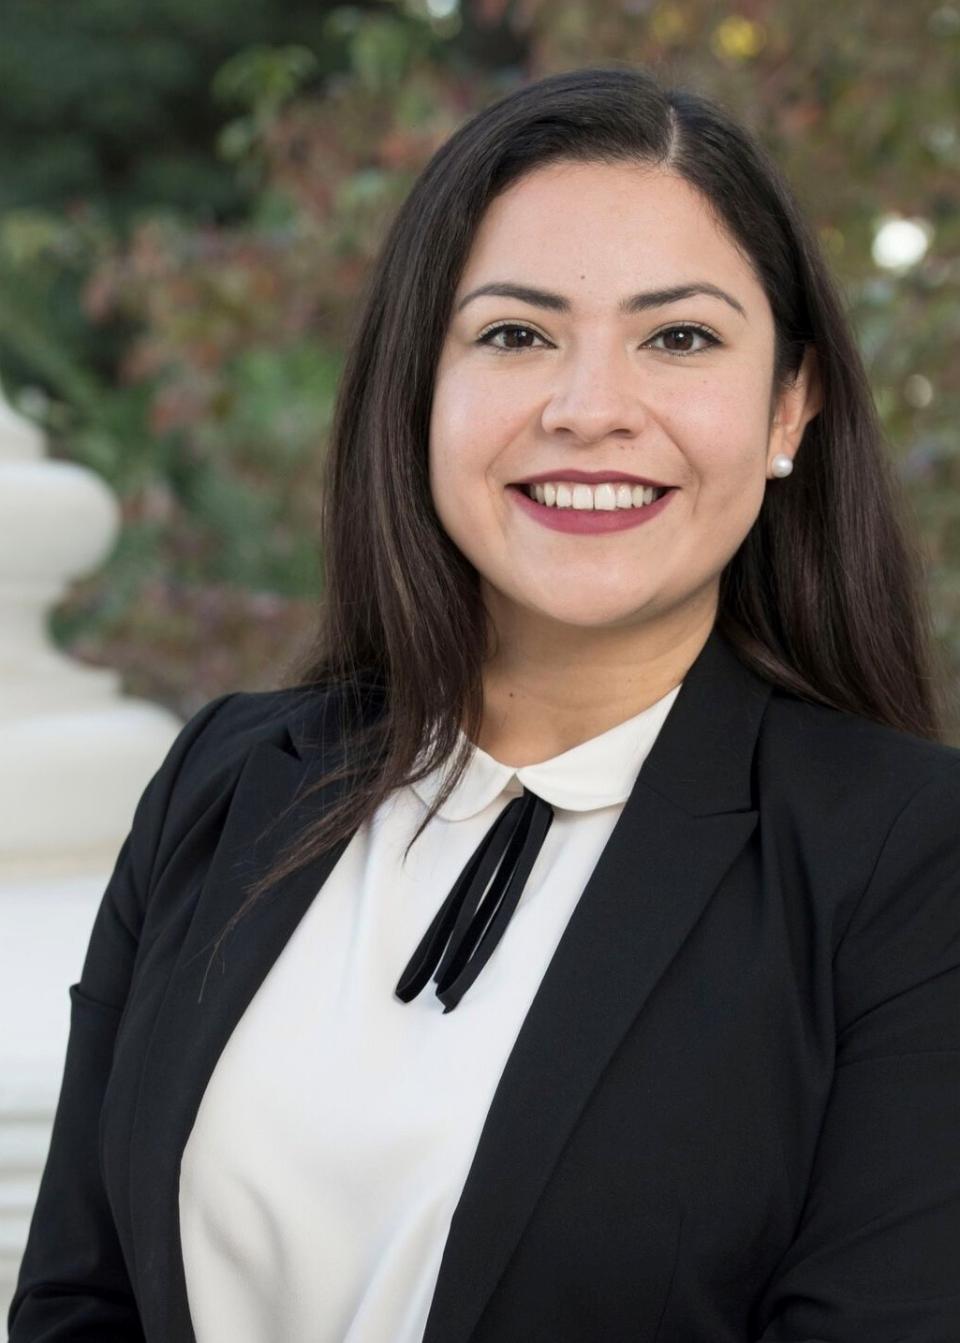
[[595, 225]]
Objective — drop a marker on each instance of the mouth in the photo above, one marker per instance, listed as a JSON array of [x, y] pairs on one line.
[[626, 495], [563, 507]]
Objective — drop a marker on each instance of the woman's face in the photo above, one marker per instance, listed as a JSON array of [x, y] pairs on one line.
[[675, 390]]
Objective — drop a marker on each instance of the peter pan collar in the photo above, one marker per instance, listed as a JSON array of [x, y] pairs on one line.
[[600, 772]]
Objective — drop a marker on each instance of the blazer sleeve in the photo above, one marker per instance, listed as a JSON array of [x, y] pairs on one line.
[[877, 1251], [73, 1283]]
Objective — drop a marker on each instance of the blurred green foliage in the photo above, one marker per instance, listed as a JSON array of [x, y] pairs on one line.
[[106, 104], [190, 197]]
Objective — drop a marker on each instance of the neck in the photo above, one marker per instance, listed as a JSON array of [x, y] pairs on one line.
[[550, 687]]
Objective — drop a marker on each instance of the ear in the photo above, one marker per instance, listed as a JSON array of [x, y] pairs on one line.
[[796, 407]]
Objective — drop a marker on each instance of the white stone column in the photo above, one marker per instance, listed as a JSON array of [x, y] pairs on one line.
[[74, 758]]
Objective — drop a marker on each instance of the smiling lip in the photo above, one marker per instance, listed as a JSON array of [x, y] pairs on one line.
[[590, 478], [589, 521]]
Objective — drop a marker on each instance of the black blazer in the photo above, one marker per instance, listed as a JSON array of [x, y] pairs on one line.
[[732, 1113]]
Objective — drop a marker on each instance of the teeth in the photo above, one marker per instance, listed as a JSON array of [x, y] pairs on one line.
[[610, 495]]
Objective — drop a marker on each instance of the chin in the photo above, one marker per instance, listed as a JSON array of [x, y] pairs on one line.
[[587, 615]]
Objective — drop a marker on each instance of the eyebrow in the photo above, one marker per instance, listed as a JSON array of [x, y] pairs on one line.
[[634, 303]]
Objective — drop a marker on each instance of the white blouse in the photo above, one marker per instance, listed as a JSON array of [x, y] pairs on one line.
[[337, 1129]]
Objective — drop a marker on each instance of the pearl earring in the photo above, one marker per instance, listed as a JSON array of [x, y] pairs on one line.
[[781, 465]]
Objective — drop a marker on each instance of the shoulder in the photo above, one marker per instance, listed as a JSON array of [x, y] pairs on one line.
[[185, 802], [863, 815], [213, 746], [243, 717], [216, 740], [847, 779], [826, 748]]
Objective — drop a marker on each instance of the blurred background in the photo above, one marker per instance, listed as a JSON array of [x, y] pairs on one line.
[[190, 195]]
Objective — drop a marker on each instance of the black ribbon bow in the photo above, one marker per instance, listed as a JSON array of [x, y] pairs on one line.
[[473, 922]]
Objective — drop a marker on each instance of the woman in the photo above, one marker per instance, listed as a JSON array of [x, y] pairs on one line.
[[694, 1077]]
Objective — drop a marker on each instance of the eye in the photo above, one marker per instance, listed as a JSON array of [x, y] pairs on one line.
[[487, 337], [687, 328]]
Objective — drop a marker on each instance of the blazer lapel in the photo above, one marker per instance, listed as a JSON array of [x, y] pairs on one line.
[[688, 816], [204, 1001]]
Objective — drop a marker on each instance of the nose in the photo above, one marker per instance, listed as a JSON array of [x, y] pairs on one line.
[[596, 396]]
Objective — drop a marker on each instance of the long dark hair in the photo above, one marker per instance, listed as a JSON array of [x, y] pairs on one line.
[[825, 597]]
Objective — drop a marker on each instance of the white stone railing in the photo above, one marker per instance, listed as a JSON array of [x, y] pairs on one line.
[[74, 759]]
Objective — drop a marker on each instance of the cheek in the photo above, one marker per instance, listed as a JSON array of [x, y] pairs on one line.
[[470, 425], [728, 446], [725, 428], [454, 464], [734, 497], [446, 441]]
